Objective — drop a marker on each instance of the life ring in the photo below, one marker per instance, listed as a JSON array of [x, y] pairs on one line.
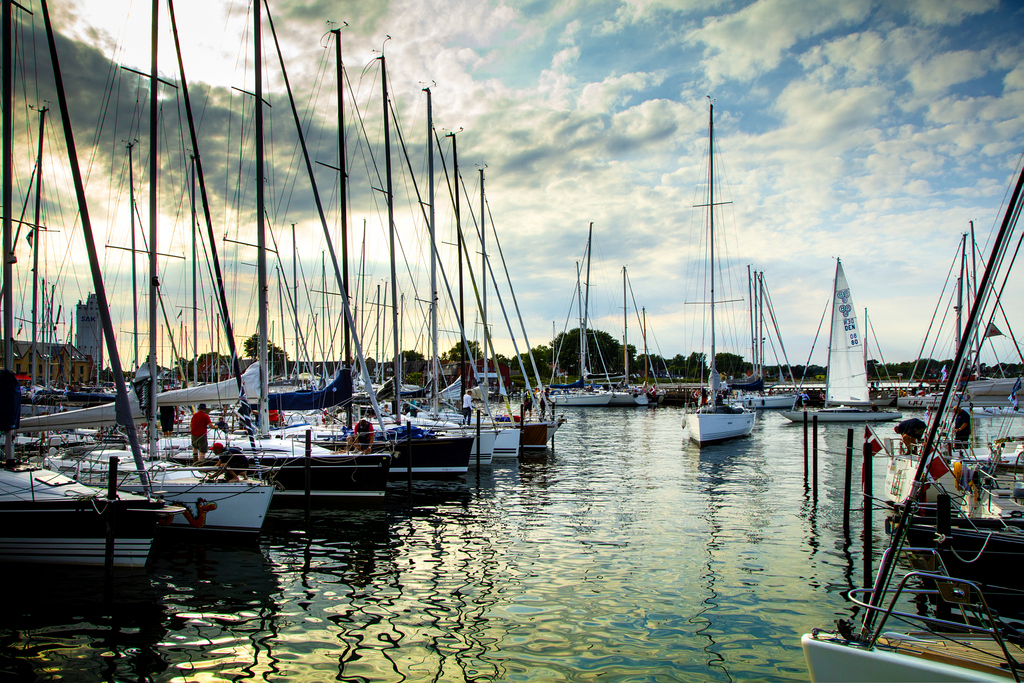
[[696, 395]]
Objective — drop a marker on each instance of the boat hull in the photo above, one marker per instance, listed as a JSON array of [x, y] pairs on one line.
[[850, 415], [773, 401], [707, 428], [830, 660], [581, 399], [444, 457]]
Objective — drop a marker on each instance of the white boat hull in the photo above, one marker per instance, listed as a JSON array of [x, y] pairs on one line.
[[623, 398], [829, 660], [705, 428], [222, 507], [842, 415], [581, 399], [774, 401]]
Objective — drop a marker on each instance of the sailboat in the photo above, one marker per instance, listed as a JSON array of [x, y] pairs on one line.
[[578, 393], [715, 421], [846, 394], [978, 645]]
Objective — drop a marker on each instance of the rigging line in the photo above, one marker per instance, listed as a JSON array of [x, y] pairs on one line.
[[814, 343], [775, 323], [515, 301], [924, 341]]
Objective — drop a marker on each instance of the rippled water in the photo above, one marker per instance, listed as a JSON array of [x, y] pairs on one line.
[[625, 554]]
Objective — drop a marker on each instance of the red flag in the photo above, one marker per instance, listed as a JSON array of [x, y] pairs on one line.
[[872, 439], [937, 467]]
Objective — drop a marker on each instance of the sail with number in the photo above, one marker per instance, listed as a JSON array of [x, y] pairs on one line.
[[847, 373]]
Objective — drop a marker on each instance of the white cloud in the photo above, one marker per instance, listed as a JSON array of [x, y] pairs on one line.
[[946, 12], [947, 69], [755, 39]]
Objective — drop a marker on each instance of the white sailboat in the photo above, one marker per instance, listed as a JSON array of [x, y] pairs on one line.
[[715, 421], [846, 395]]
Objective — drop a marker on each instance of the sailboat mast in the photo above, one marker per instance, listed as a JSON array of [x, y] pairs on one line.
[[458, 240], [586, 304], [195, 278], [625, 327], [760, 324], [8, 199], [346, 333], [261, 228], [397, 377], [483, 269], [831, 339], [35, 249], [960, 288], [711, 226], [434, 364], [154, 84]]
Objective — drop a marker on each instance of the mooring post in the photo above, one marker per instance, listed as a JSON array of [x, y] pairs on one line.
[[868, 509], [814, 454], [478, 441], [805, 447], [108, 555], [848, 482], [943, 530], [408, 453], [308, 472]]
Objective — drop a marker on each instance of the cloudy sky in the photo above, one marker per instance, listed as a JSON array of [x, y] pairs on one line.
[[872, 131]]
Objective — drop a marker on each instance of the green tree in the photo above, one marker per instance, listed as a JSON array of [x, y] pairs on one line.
[[411, 355], [600, 345], [729, 363], [276, 356], [452, 355]]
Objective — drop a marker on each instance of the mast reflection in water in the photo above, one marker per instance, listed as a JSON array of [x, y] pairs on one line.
[[626, 553]]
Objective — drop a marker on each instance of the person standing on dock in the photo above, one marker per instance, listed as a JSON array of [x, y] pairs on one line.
[[197, 428], [467, 407]]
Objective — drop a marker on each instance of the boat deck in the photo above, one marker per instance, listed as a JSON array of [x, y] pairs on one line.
[[980, 653]]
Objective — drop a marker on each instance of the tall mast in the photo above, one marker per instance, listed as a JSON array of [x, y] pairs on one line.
[[711, 226], [760, 323], [261, 230], [483, 269], [458, 239], [586, 302], [154, 147], [753, 314], [346, 332], [8, 199], [625, 326], [195, 278], [960, 288], [135, 286], [434, 365], [397, 377], [34, 355]]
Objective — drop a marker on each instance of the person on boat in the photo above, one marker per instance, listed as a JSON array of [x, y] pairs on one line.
[[197, 429], [542, 404], [961, 428], [467, 407], [230, 461], [528, 405], [911, 431], [703, 396], [167, 420], [362, 436]]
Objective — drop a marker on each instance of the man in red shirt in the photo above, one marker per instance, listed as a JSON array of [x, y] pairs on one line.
[[197, 428]]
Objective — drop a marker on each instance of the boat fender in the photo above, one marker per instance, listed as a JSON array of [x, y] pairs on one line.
[[1016, 514], [1018, 493]]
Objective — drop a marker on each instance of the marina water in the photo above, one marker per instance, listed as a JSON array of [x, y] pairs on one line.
[[625, 553]]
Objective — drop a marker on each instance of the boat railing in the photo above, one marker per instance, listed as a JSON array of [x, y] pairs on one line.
[[962, 593]]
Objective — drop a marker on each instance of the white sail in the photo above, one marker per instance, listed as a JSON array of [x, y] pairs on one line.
[[220, 393], [847, 375]]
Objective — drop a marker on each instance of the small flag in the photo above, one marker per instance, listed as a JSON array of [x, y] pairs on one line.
[[872, 439], [943, 373], [993, 331], [30, 236], [1013, 393], [937, 467]]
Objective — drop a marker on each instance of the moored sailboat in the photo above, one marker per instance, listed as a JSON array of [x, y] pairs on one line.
[[846, 396], [715, 421]]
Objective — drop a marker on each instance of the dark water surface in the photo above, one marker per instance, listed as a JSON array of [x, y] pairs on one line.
[[626, 554]]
